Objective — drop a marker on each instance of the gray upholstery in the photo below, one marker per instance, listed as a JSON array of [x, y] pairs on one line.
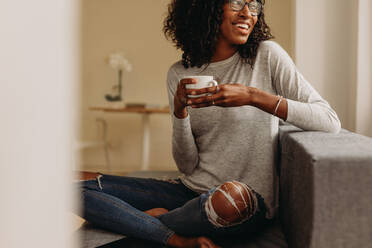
[[325, 194], [326, 188]]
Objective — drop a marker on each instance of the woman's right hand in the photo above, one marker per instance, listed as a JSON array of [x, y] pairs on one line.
[[180, 98]]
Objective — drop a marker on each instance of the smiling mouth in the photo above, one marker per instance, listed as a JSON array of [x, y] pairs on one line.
[[242, 26]]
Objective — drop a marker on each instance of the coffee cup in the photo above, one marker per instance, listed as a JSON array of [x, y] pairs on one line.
[[202, 82]]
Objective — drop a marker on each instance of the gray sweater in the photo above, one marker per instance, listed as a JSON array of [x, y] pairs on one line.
[[213, 145]]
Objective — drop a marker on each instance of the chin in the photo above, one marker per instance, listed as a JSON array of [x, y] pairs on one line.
[[241, 41]]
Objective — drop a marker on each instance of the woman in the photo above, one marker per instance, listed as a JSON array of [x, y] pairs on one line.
[[224, 142]]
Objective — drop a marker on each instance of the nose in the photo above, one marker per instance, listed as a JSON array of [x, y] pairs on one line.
[[245, 11]]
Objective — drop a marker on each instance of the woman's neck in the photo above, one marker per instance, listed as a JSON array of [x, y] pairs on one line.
[[224, 51]]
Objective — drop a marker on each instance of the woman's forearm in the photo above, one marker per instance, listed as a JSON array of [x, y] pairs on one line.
[[269, 103], [315, 116], [185, 152]]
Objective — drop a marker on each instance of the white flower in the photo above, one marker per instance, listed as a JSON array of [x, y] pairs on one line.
[[117, 61]]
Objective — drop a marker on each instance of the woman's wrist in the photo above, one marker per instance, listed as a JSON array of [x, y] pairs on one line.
[[269, 103], [182, 114], [253, 96], [180, 110]]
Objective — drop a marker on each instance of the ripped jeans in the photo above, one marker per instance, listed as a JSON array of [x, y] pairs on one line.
[[117, 204]]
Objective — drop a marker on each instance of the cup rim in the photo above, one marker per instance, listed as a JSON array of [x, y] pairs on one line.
[[201, 76]]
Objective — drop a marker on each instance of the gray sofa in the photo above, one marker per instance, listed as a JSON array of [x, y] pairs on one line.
[[325, 188], [325, 195]]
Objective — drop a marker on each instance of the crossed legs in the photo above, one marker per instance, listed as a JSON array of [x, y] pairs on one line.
[[230, 204], [113, 202]]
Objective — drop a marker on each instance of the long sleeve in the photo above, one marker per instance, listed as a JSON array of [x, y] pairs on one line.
[[184, 149], [306, 108], [214, 145]]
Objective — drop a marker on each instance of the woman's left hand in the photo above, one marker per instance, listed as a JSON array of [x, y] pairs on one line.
[[224, 95]]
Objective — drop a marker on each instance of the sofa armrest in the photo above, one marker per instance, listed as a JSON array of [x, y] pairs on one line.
[[325, 188]]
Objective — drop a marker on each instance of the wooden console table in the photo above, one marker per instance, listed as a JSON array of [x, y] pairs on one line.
[[145, 112]]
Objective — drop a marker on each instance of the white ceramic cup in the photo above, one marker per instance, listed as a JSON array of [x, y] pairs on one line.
[[202, 82]]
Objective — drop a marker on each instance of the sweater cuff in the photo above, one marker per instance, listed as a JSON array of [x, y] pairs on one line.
[[299, 115], [181, 123], [291, 116]]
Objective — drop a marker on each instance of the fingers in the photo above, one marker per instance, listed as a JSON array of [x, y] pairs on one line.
[[185, 81], [181, 95], [211, 90], [209, 96], [206, 101], [208, 104], [217, 103]]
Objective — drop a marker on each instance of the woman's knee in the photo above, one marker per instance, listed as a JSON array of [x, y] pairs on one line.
[[231, 202]]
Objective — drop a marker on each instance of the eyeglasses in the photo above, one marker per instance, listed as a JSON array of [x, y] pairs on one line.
[[253, 6]]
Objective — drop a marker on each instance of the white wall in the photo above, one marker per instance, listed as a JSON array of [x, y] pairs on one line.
[[37, 96], [325, 50]]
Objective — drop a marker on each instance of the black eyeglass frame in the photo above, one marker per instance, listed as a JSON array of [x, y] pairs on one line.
[[254, 6]]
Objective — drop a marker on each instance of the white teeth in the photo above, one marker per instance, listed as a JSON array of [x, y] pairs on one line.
[[240, 25]]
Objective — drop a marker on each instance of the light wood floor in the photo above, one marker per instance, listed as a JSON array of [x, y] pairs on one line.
[[84, 175]]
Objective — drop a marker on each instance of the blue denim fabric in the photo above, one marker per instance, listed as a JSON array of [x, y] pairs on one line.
[[191, 220], [117, 204]]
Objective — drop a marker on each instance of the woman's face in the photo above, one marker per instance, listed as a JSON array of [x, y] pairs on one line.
[[236, 25]]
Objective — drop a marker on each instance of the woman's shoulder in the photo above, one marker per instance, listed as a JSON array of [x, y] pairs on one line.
[[175, 72], [273, 52], [272, 47], [177, 67]]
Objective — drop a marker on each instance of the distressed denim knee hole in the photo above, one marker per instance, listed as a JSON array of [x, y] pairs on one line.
[[230, 204]]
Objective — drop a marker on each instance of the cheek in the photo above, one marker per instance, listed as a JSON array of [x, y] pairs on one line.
[[226, 29], [255, 20]]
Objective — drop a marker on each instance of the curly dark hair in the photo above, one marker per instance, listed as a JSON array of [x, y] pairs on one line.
[[194, 27]]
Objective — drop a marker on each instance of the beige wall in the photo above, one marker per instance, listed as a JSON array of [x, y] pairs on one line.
[[134, 27], [280, 17], [326, 47]]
